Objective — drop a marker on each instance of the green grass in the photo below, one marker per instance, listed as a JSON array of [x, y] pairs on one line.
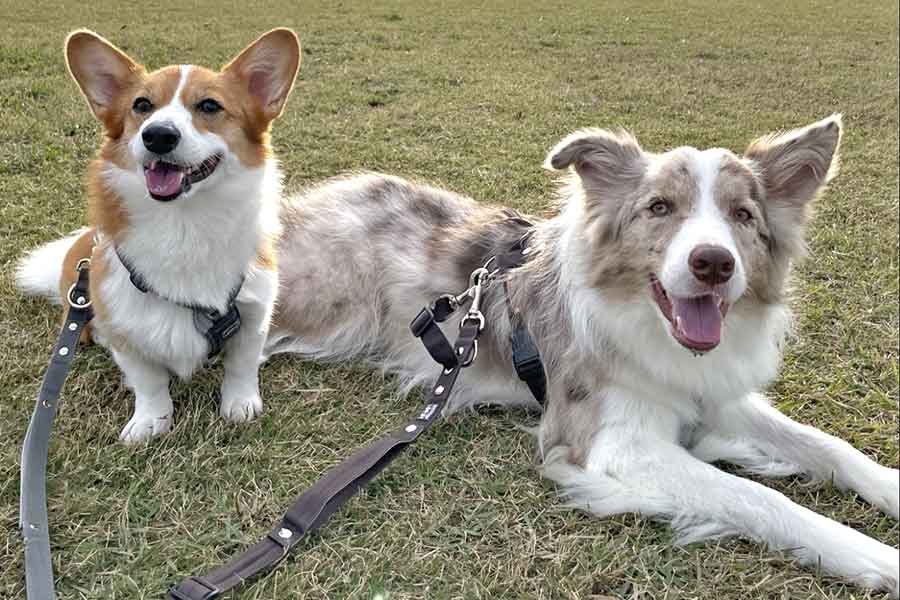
[[470, 97]]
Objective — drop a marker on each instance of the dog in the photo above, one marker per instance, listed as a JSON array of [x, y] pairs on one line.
[[657, 299], [183, 209]]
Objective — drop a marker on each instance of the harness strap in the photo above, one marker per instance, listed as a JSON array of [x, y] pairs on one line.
[[525, 354], [332, 491], [216, 327], [33, 474]]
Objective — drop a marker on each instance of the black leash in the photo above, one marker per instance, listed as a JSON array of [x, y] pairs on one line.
[[340, 483], [33, 477], [327, 495]]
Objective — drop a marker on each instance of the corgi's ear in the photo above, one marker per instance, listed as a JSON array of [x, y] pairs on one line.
[[101, 70], [796, 165], [601, 158], [266, 69]]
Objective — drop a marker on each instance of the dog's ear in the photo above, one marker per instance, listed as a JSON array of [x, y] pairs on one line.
[[267, 69], [101, 70], [603, 160], [796, 165]]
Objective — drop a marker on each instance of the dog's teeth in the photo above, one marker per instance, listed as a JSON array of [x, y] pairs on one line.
[[153, 164]]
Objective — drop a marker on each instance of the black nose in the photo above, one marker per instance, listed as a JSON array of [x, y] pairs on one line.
[[711, 264], [160, 138]]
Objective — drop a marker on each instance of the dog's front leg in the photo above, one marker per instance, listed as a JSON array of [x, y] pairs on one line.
[[815, 453], [240, 387], [632, 472], [152, 403]]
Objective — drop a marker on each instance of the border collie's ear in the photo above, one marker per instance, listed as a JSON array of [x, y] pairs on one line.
[[267, 68], [796, 165], [101, 70], [600, 157]]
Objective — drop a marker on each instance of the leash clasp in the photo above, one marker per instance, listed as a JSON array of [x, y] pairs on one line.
[[83, 300], [477, 281]]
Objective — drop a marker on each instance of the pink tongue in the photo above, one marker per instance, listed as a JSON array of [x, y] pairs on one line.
[[699, 319], [163, 179]]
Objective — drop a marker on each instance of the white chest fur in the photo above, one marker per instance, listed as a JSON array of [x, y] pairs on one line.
[[158, 330]]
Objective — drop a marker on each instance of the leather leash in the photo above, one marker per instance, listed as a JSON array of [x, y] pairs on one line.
[[330, 492], [340, 483], [33, 479]]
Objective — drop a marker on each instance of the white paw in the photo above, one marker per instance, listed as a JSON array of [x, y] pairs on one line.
[[876, 567], [890, 493], [241, 409], [882, 490], [141, 428]]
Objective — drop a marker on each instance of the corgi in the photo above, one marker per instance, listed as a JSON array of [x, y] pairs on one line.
[[183, 213], [657, 297]]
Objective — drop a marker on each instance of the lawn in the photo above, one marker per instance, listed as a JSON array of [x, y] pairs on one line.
[[470, 97]]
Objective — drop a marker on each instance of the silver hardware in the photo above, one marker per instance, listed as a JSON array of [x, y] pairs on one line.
[[63, 351], [460, 350], [477, 281], [73, 326], [410, 428], [478, 277], [527, 251], [457, 301], [285, 533], [80, 302], [439, 390], [477, 316], [448, 371]]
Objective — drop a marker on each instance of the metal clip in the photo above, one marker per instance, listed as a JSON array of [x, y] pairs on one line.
[[477, 281]]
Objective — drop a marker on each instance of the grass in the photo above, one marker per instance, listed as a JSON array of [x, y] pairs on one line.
[[470, 97]]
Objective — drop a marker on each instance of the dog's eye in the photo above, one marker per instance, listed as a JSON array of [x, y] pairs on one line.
[[142, 106], [660, 207], [209, 106], [743, 215]]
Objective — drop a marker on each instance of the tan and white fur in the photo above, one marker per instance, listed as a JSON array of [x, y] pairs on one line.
[[186, 188], [643, 392]]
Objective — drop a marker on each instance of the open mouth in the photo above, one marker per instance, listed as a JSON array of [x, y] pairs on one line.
[[166, 181], [696, 321]]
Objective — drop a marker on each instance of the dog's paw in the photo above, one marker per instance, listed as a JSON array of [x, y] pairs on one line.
[[142, 428], [241, 409], [888, 493]]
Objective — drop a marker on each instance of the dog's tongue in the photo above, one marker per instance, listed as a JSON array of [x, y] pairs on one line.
[[163, 179], [698, 319]]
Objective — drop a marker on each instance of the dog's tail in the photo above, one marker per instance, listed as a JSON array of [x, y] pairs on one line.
[[38, 272]]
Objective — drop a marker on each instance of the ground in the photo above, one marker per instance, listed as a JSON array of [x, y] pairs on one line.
[[470, 97]]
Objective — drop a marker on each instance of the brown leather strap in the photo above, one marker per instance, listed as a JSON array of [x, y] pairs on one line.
[[332, 491]]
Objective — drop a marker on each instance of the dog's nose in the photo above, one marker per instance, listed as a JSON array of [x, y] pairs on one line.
[[711, 264], [160, 138]]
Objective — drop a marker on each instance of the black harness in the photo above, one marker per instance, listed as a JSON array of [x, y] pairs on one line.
[[333, 489], [216, 327]]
